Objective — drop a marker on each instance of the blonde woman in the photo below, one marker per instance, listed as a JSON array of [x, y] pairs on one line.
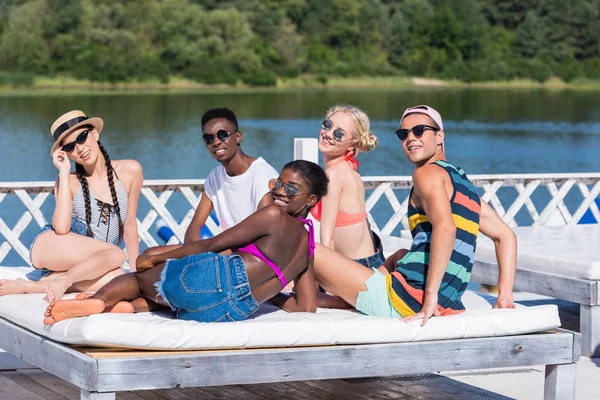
[[95, 211], [345, 132]]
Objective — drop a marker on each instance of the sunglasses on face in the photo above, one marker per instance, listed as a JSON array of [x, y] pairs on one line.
[[417, 130], [338, 135], [222, 135], [81, 138], [290, 190]]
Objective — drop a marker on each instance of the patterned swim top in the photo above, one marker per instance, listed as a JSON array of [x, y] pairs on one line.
[[105, 225], [406, 284]]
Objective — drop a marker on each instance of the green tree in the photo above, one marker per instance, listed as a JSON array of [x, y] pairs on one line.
[[23, 46]]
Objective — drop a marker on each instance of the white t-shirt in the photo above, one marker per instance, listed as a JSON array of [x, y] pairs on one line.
[[234, 198]]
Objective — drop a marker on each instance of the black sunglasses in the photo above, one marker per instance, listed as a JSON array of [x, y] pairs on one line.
[[222, 135], [417, 130], [290, 190], [338, 135], [81, 138]]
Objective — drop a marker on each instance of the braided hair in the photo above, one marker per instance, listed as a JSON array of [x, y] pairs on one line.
[[110, 172], [86, 193]]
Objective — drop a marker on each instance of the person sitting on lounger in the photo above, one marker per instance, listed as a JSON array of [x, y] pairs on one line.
[[239, 176], [95, 208], [272, 247], [344, 133], [445, 215]]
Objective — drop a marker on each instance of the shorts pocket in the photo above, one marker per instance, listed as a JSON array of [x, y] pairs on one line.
[[202, 276]]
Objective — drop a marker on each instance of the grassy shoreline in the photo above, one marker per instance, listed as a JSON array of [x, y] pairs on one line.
[[70, 85]]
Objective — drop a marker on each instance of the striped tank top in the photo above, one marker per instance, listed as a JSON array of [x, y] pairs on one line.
[[105, 225], [406, 284]]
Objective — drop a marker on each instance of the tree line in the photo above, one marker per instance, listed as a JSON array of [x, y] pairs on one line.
[[257, 41]]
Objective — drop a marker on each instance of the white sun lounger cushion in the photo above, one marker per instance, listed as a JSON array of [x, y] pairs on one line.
[[572, 251], [271, 327]]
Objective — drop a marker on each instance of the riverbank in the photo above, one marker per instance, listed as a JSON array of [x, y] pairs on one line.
[[41, 85]]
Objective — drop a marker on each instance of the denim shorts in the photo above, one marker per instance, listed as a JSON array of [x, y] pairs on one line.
[[77, 226], [374, 261], [207, 287]]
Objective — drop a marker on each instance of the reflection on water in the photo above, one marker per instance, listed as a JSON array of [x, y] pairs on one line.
[[488, 131]]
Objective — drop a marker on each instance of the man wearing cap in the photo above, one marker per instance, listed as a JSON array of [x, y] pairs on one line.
[[445, 215], [238, 186]]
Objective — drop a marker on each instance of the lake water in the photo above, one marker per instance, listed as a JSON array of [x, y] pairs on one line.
[[487, 130], [492, 131]]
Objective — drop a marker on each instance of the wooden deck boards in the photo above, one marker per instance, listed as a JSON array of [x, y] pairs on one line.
[[39, 385]]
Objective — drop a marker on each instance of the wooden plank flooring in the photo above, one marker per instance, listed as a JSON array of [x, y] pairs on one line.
[[36, 384]]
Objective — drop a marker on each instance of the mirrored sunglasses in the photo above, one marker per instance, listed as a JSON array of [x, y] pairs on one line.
[[222, 135], [290, 190], [338, 135]]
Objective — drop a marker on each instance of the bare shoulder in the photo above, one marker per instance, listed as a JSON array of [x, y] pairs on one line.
[[340, 174], [428, 175], [128, 169]]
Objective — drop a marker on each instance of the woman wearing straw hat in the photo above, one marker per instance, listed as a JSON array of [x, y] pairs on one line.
[[95, 208]]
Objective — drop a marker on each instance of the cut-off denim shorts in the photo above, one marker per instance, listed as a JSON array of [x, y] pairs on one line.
[[77, 226], [207, 287], [374, 261]]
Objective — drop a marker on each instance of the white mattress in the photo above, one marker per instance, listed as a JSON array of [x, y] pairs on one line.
[[572, 251], [271, 327]]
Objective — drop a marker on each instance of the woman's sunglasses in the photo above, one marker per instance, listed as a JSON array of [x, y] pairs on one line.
[[338, 135], [222, 135], [417, 130], [290, 190], [81, 138]]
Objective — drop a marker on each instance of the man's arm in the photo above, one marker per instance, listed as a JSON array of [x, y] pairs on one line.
[[192, 234], [505, 241], [265, 201], [430, 187]]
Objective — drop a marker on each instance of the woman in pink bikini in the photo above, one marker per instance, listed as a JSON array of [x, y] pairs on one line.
[[271, 247], [344, 228]]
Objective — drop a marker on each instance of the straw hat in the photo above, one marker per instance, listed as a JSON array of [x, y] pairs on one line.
[[70, 121]]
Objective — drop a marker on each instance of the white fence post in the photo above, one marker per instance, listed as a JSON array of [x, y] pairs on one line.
[[306, 149]]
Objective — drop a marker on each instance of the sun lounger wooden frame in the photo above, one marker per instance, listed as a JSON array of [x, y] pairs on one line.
[[584, 292], [100, 376]]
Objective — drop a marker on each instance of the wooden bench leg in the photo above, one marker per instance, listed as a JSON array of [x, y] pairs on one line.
[[560, 382], [85, 395], [589, 326]]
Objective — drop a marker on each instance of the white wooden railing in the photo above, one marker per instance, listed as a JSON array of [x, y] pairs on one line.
[[520, 199]]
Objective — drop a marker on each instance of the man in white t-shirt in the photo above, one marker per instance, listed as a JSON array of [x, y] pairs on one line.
[[236, 188]]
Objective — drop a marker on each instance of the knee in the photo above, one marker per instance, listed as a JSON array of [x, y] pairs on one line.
[[117, 257]]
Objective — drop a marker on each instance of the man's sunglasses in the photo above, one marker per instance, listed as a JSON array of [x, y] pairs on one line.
[[290, 190], [338, 135], [81, 138], [222, 135], [417, 130]]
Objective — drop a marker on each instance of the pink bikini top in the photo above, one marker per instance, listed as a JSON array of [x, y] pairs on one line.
[[252, 249]]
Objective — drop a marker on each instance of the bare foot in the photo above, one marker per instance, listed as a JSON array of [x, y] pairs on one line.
[[56, 288], [83, 296], [122, 307], [65, 309], [13, 286]]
